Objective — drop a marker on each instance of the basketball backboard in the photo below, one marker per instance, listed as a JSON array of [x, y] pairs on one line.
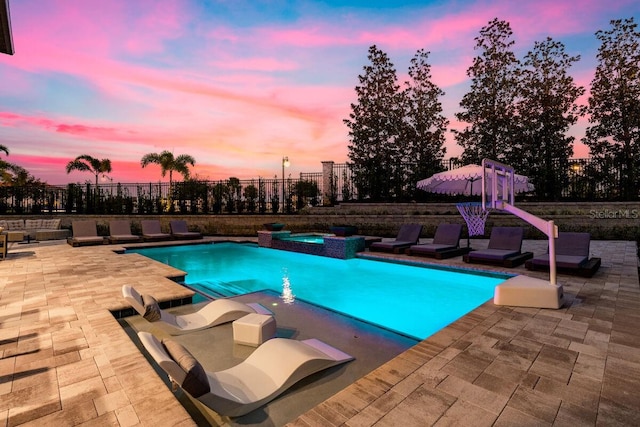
[[497, 184]]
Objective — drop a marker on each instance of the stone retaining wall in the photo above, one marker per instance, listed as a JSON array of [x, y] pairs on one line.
[[617, 221]]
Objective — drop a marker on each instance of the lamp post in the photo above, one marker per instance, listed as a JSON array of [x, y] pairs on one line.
[[285, 163]]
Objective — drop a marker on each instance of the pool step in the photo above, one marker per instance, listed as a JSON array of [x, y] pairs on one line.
[[219, 288]]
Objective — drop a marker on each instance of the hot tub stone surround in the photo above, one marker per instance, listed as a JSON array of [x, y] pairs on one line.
[[333, 247]]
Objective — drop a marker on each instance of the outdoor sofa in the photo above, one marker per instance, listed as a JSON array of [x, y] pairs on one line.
[[33, 229]]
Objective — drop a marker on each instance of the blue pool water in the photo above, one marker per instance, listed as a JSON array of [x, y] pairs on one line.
[[305, 238], [412, 300]]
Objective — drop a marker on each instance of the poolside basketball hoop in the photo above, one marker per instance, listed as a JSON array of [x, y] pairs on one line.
[[475, 217]]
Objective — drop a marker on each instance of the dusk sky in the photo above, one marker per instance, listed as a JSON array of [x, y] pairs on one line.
[[238, 84]]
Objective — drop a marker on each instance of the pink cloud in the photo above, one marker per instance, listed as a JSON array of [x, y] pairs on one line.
[[257, 64], [151, 76]]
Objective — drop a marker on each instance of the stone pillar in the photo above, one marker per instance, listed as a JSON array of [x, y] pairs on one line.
[[327, 174]]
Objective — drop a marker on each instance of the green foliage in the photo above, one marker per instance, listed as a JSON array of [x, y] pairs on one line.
[[218, 193], [169, 163], [262, 197], [546, 111], [490, 105], [375, 126], [191, 196], [251, 196], [396, 136], [87, 163], [346, 187], [425, 125], [275, 196], [307, 193], [614, 105], [233, 195]]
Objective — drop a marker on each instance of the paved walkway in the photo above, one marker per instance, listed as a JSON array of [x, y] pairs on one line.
[[65, 360]]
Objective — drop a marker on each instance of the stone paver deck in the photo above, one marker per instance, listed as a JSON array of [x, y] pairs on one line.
[[65, 360]]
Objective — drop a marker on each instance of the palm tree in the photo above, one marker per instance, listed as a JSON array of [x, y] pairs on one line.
[[5, 176], [169, 163], [90, 164]]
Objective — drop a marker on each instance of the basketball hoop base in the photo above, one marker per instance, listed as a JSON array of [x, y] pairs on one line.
[[524, 291]]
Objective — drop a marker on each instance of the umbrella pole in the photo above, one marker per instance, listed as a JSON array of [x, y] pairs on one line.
[[469, 231]]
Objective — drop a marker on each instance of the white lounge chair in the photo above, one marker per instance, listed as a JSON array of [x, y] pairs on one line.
[[214, 313], [270, 370]]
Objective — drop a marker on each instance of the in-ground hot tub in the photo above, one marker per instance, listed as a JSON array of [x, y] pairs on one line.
[[328, 245]]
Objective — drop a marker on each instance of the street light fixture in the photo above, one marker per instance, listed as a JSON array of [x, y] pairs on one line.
[[285, 163]]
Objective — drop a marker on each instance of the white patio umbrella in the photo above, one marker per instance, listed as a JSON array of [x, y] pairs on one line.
[[461, 181], [466, 180]]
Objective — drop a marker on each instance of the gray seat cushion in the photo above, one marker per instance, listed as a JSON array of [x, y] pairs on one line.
[[492, 254], [506, 238], [448, 235]]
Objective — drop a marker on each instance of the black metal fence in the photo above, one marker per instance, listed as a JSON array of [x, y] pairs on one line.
[[188, 197], [588, 180]]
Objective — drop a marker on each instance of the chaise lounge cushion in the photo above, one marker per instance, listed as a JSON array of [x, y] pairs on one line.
[[572, 251], [120, 232], [407, 235], [180, 230], [505, 245], [506, 238], [493, 254], [504, 242], [196, 382], [445, 244], [562, 261], [151, 230]]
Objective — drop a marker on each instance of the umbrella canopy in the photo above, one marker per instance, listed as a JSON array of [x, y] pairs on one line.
[[466, 180]]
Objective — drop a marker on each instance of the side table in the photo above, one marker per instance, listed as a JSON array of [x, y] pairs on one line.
[[3, 246], [254, 329]]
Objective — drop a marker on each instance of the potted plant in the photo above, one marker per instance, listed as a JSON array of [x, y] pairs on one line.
[[344, 230], [273, 226]]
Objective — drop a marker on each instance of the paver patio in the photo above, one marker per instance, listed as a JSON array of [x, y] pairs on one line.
[[65, 359]]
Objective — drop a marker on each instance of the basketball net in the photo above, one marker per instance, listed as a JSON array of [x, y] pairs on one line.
[[474, 216]]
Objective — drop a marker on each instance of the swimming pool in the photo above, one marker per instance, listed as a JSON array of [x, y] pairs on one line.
[[411, 300]]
